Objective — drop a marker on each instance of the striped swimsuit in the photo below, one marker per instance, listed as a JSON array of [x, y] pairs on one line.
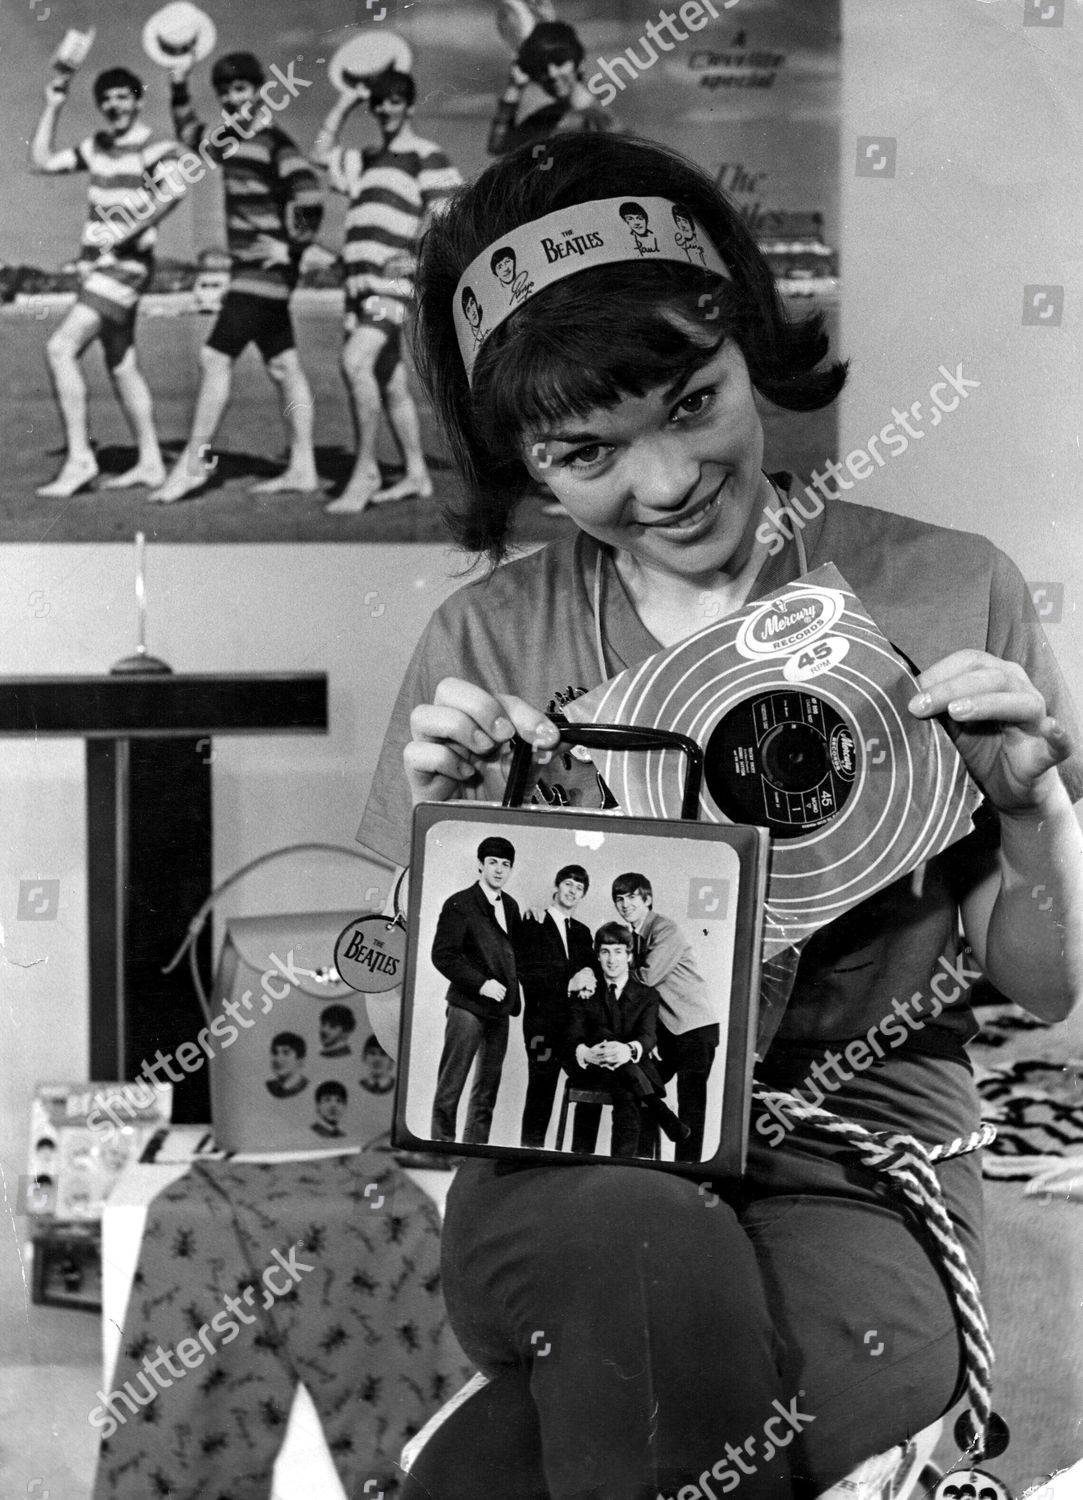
[[270, 189], [390, 193], [121, 169]]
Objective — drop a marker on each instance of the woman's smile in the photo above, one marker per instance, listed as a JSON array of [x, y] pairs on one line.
[[672, 479]]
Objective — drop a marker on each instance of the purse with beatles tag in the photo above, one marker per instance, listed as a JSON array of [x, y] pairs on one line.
[[293, 1062], [296, 1066]]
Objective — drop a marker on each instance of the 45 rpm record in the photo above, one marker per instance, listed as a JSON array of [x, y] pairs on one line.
[[800, 705], [783, 760]]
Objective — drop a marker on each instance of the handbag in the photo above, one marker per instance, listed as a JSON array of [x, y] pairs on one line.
[[293, 1062]]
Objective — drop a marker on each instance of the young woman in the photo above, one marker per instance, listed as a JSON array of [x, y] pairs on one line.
[[644, 1337]]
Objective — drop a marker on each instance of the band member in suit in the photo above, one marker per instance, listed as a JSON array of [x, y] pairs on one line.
[[554, 951], [688, 1029], [474, 949], [611, 1033]]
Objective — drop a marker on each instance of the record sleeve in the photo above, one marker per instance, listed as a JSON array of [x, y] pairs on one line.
[[799, 703]]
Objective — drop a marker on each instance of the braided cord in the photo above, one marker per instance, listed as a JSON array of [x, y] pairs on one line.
[[909, 1164]]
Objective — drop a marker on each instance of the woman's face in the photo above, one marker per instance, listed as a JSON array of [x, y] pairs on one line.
[[673, 478]]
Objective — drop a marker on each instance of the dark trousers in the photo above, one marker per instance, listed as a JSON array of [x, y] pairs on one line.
[[543, 1074], [467, 1037], [633, 1327], [688, 1057], [631, 1133]]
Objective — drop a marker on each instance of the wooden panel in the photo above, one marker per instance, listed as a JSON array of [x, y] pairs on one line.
[[162, 705]]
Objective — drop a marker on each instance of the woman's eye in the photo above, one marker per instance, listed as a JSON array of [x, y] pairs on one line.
[[585, 458], [695, 404]]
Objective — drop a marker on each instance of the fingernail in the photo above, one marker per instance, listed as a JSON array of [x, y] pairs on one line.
[[543, 757], [920, 702], [960, 708], [503, 729]]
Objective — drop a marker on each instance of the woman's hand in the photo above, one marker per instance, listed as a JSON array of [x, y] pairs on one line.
[[1000, 727], [463, 738]]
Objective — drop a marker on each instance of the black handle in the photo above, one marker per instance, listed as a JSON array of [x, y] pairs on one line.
[[611, 737]]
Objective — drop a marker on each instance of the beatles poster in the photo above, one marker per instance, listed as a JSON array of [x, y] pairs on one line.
[[141, 411]]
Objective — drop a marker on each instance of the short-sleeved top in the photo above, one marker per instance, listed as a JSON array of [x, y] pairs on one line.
[[121, 169], [390, 193], [528, 629]]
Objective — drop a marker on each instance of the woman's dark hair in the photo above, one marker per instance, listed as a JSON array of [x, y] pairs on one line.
[[597, 337], [550, 41]]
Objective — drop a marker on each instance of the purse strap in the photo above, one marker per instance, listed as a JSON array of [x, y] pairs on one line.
[[195, 926]]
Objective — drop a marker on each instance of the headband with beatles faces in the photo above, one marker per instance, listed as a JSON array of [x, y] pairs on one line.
[[534, 256]]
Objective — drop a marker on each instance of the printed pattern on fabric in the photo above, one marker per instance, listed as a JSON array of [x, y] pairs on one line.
[[1037, 1108], [360, 1322]]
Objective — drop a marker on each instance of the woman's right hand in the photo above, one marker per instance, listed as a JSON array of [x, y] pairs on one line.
[[463, 738]]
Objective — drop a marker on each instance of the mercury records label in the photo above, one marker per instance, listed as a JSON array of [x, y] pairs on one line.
[[799, 704]]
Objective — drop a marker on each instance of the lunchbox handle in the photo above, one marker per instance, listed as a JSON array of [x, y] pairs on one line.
[[611, 737]]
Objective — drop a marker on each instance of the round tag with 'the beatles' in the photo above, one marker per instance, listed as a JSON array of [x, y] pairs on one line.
[[370, 954]]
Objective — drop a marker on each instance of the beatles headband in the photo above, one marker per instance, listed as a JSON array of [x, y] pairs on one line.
[[535, 255]]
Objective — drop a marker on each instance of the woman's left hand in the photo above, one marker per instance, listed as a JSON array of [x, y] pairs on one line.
[[998, 721]]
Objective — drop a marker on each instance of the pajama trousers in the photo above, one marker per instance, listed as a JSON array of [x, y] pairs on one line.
[[252, 1278]]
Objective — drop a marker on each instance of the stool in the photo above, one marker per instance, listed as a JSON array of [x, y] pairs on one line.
[[578, 1096], [894, 1475]]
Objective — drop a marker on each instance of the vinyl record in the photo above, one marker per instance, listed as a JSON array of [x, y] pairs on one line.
[[800, 705], [177, 31], [784, 760], [369, 52]]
